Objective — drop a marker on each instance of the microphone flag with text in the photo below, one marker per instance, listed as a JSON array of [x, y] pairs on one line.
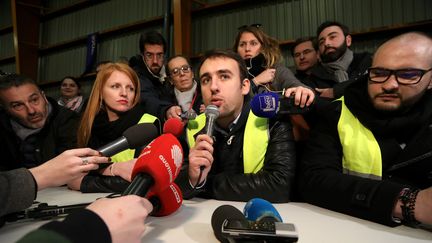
[[167, 201], [271, 104], [157, 166]]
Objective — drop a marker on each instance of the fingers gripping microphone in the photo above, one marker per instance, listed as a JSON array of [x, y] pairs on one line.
[[258, 209], [270, 104], [167, 201], [173, 126], [157, 166], [134, 137], [211, 113]]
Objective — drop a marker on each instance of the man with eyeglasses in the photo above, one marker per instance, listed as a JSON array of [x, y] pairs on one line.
[[338, 65], [370, 156], [150, 68], [305, 54], [34, 127]]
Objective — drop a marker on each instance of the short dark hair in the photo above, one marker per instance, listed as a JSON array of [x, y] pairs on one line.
[[153, 38], [175, 56], [326, 24], [14, 80], [215, 53], [300, 40], [73, 79]]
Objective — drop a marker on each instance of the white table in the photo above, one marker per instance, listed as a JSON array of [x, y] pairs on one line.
[[191, 223]]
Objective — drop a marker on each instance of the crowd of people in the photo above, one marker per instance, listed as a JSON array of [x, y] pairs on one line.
[[368, 116]]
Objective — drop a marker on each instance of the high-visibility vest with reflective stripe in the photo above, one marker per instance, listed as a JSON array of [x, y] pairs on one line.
[[361, 151], [255, 140], [129, 154]]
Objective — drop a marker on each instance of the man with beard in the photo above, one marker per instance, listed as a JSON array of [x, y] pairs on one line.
[[338, 63], [34, 127], [370, 155], [150, 68]]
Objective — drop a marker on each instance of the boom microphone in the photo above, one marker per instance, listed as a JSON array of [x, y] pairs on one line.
[[134, 137], [211, 113], [167, 201], [157, 166], [270, 104]]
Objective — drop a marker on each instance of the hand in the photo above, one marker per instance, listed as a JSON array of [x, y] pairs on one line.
[[122, 169], [200, 155], [202, 108], [265, 76], [173, 112], [124, 216], [69, 165], [423, 206], [302, 96], [326, 93]]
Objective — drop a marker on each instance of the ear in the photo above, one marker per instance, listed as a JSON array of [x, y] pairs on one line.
[[245, 87], [430, 83], [348, 40]]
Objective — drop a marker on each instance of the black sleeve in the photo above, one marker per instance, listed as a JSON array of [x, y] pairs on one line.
[[323, 183], [150, 99], [94, 182], [80, 226]]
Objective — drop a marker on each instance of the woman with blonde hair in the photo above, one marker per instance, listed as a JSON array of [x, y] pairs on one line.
[[264, 62], [112, 108]]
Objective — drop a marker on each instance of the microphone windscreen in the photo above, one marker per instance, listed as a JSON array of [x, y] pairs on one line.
[[212, 110], [265, 104], [218, 217], [161, 159], [258, 209], [140, 134], [168, 201], [173, 126]]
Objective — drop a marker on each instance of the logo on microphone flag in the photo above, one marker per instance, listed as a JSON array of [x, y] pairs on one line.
[[267, 103]]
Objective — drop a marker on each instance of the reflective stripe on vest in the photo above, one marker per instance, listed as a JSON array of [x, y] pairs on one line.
[[129, 154], [361, 152], [255, 140]]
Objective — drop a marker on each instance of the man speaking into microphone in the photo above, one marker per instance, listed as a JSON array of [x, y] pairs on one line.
[[240, 156]]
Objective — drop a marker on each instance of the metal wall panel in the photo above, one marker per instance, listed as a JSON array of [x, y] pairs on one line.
[[5, 14], [55, 4], [6, 45], [9, 68]]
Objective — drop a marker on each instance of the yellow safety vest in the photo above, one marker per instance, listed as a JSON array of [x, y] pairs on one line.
[[255, 140], [361, 151], [129, 154]]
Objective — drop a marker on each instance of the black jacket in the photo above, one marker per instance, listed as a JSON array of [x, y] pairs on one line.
[[226, 180], [58, 135], [197, 97], [153, 93], [321, 78], [321, 179]]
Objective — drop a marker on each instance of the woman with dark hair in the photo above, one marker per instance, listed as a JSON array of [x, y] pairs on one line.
[[264, 61], [71, 97]]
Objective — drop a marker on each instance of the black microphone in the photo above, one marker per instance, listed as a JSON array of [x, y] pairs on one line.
[[212, 113], [271, 104], [188, 115], [134, 137], [220, 215]]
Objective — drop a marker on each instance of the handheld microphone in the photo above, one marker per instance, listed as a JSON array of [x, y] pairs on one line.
[[134, 137], [167, 201], [157, 166], [212, 113], [173, 126], [188, 115], [220, 215], [270, 104], [258, 209]]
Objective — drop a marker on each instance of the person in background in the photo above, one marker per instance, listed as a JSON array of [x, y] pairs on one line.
[[185, 91], [265, 69], [150, 68], [338, 62], [34, 127], [306, 56], [105, 220], [248, 156], [369, 156], [71, 97], [112, 108]]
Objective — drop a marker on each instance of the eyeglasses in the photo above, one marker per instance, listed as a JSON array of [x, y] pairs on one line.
[[184, 69], [149, 56], [406, 76], [252, 25], [304, 53]]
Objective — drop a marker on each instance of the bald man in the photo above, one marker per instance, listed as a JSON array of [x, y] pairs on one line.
[[370, 155]]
